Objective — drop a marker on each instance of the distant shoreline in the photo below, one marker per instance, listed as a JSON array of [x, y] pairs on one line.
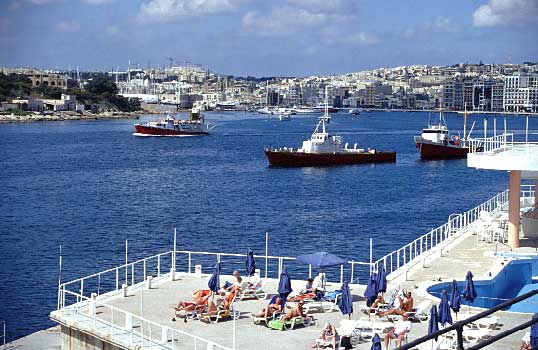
[[62, 116]]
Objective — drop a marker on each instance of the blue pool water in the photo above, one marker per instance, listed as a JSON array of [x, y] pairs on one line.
[[516, 278], [89, 185]]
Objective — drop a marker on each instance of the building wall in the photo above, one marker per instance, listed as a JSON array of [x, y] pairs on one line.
[[73, 339], [521, 93], [48, 79]]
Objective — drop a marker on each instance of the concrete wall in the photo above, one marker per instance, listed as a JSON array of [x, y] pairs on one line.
[[76, 340]]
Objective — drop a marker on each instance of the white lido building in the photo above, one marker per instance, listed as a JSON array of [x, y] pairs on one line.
[[520, 159]]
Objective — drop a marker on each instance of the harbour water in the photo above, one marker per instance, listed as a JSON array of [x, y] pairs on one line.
[[90, 185]]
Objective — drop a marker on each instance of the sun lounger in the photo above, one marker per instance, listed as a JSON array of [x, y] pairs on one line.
[[222, 314], [327, 303], [419, 314], [291, 324], [490, 321], [266, 320], [254, 292]]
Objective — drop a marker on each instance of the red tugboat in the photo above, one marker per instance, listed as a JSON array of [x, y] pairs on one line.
[[325, 150], [437, 143], [194, 126]]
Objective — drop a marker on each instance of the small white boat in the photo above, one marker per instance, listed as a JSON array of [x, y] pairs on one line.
[[354, 111], [284, 117]]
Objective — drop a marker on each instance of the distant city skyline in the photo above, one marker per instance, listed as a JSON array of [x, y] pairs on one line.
[[277, 38]]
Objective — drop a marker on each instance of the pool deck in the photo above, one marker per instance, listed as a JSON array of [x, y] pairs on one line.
[[459, 256]]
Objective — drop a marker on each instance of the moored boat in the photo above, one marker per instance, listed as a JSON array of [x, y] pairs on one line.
[[194, 126], [436, 142], [323, 149]]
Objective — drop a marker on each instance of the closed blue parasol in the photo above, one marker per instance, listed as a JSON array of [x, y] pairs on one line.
[[345, 302], [214, 280], [371, 290], [250, 263], [534, 332], [469, 292], [321, 259], [284, 286], [444, 310], [382, 280], [433, 323], [455, 299], [376, 342]]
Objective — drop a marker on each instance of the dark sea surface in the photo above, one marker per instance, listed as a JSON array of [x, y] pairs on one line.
[[90, 185]]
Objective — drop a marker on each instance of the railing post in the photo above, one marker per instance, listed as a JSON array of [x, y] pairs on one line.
[[158, 265], [459, 332], [352, 270], [117, 278], [82, 287], [190, 261], [342, 273], [398, 259], [132, 275], [144, 270]]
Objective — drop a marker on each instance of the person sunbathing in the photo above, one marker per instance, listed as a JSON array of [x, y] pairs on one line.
[[219, 303], [270, 309], [402, 328], [294, 312], [237, 286], [328, 335], [379, 300], [199, 298], [406, 305]]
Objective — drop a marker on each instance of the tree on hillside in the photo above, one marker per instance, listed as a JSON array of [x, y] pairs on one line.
[[101, 85], [14, 85]]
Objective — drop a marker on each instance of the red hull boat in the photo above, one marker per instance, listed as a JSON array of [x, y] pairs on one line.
[[323, 149], [195, 126], [436, 143], [283, 158]]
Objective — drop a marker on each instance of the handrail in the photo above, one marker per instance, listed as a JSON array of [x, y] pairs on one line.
[[458, 326], [134, 317], [403, 258]]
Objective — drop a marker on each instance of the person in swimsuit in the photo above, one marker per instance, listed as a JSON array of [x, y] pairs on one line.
[[402, 328], [328, 334], [406, 305], [294, 312], [270, 309]]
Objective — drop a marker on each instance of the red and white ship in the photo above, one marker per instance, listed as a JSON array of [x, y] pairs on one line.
[[194, 126], [437, 143], [323, 149]]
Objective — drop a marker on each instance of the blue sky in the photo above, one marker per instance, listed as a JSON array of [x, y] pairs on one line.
[[260, 37]]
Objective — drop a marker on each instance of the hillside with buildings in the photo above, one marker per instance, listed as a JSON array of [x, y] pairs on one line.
[[471, 87]]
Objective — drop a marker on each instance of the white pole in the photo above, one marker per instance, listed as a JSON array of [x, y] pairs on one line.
[[59, 283], [371, 254], [233, 340], [266, 252], [485, 128], [4, 334], [494, 127], [126, 260], [142, 300], [174, 257], [505, 124]]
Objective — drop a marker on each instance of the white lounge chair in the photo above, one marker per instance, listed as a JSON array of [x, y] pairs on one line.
[[254, 292]]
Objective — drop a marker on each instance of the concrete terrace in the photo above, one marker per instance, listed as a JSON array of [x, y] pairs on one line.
[[458, 257]]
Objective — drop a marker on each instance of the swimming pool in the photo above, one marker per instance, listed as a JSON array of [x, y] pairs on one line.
[[515, 279]]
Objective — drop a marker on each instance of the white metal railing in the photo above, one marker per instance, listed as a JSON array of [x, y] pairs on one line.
[[4, 334], [401, 260], [85, 293], [491, 144], [130, 330]]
